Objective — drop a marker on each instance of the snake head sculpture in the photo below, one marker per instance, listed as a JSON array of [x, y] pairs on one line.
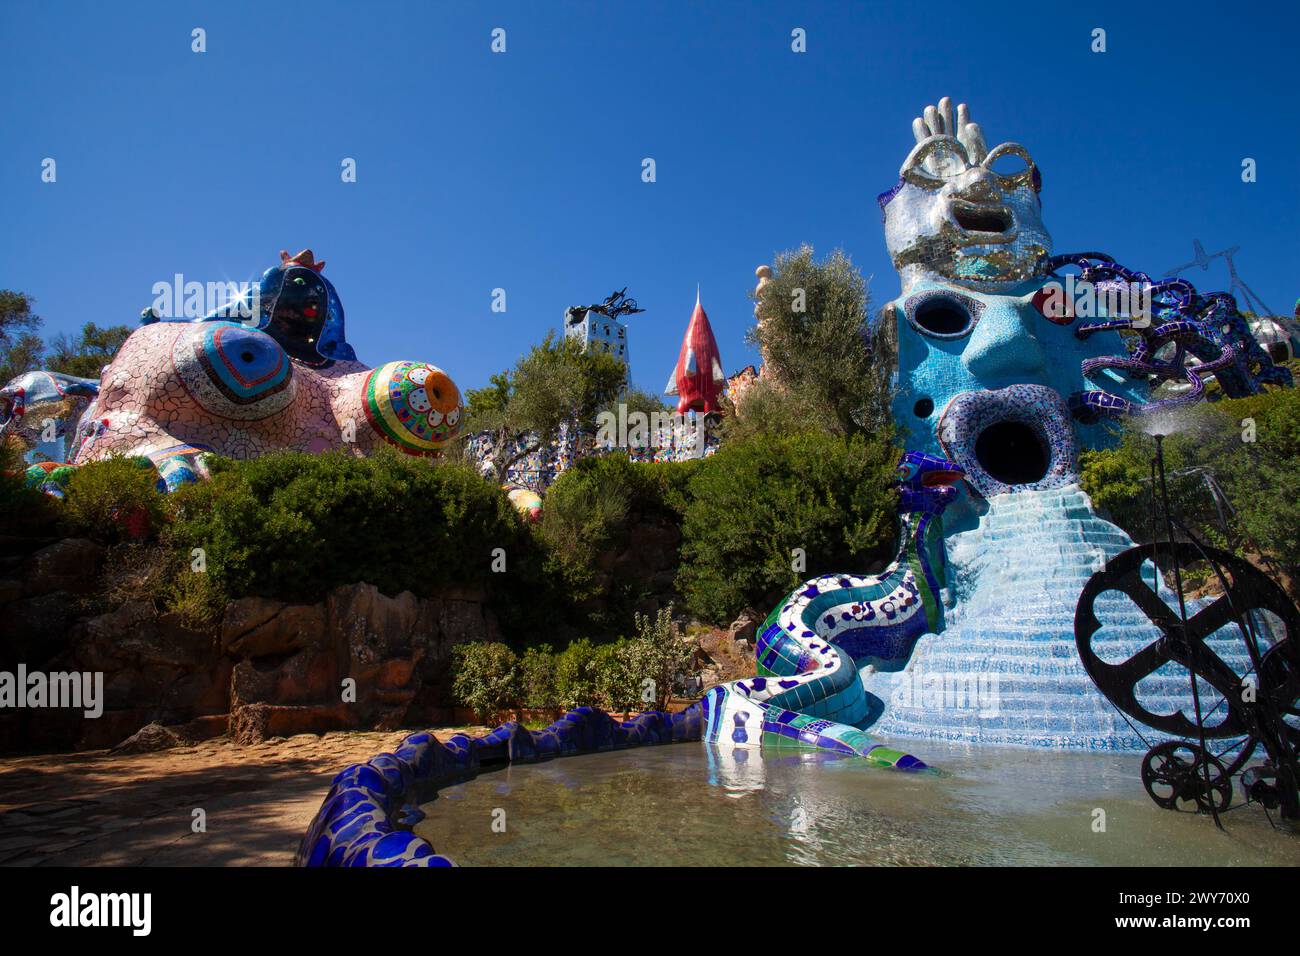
[[927, 483]]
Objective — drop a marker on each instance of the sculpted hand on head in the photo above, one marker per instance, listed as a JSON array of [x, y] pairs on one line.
[[961, 211]]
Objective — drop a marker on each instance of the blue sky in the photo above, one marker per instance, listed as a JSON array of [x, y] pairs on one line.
[[522, 170]]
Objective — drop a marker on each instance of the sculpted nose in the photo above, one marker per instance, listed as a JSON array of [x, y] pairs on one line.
[[1003, 350], [978, 185]]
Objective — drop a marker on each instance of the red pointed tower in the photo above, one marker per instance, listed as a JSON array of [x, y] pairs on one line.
[[697, 379]]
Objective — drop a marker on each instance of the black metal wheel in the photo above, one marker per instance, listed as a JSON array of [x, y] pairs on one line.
[[1181, 776], [1246, 590]]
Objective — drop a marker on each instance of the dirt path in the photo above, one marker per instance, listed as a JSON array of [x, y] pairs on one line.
[[102, 809]]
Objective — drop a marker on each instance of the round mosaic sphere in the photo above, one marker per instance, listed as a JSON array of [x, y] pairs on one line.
[[413, 405], [233, 371], [527, 502], [45, 473], [176, 472]]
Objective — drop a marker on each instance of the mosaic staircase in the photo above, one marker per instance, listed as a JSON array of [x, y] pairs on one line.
[[1006, 669]]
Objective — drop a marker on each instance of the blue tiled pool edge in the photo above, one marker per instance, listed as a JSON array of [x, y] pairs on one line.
[[362, 819]]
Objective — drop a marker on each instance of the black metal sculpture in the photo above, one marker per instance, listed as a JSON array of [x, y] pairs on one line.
[[615, 305], [1252, 708]]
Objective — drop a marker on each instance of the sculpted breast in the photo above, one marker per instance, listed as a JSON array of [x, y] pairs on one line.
[[234, 372]]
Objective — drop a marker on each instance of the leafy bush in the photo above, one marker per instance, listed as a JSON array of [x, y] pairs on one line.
[[1250, 446], [20, 507], [617, 683], [576, 674], [593, 508], [196, 597], [485, 677], [114, 500], [661, 654], [293, 525], [754, 502], [537, 687]]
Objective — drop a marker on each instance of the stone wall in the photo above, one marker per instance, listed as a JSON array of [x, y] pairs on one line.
[[267, 669]]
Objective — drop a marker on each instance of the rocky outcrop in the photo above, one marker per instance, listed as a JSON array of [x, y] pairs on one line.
[[726, 655], [149, 739], [268, 668], [360, 658]]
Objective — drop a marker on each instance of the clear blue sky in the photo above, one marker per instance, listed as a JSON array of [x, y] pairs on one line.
[[522, 170]]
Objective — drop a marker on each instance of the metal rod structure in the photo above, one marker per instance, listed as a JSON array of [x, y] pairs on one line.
[[1182, 616]]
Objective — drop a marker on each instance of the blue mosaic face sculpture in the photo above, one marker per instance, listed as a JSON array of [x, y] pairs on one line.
[[1009, 364], [985, 380], [985, 369]]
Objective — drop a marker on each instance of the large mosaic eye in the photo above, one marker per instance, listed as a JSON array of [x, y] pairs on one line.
[[1011, 163], [232, 371], [935, 161], [413, 405], [943, 314]]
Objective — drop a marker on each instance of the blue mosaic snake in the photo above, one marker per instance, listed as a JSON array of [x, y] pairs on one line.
[[808, 692]]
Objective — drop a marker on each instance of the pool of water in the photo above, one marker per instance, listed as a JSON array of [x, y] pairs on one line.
[[688, 804]]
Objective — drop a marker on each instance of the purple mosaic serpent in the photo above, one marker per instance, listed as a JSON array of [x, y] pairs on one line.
[[1207, 327]]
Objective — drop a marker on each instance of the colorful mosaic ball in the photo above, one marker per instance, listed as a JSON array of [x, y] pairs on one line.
[[176, 472], [413, 405], [49, 473], [527, 502]]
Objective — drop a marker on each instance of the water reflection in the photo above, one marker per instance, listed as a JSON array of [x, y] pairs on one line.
[[689, 804]]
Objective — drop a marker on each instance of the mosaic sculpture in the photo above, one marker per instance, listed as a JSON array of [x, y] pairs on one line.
[[38, 415], [997, 392], [525, 501], [807, 692], [1003, 371], [284, 378]]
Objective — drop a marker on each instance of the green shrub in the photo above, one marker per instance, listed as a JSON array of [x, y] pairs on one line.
[[21, 508], [754, 502], [537, 686], [194, 596], [485, 677], [618, 684], [576, 674], [661, 654], [1251, 447], [293, 526], [593, 508], [114, 500]]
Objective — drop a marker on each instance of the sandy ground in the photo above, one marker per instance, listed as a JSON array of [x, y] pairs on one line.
[[102, 809]]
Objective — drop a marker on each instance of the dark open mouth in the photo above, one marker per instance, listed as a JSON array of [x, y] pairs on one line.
[[1010, 439], [1013, 453], [974, 218]]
